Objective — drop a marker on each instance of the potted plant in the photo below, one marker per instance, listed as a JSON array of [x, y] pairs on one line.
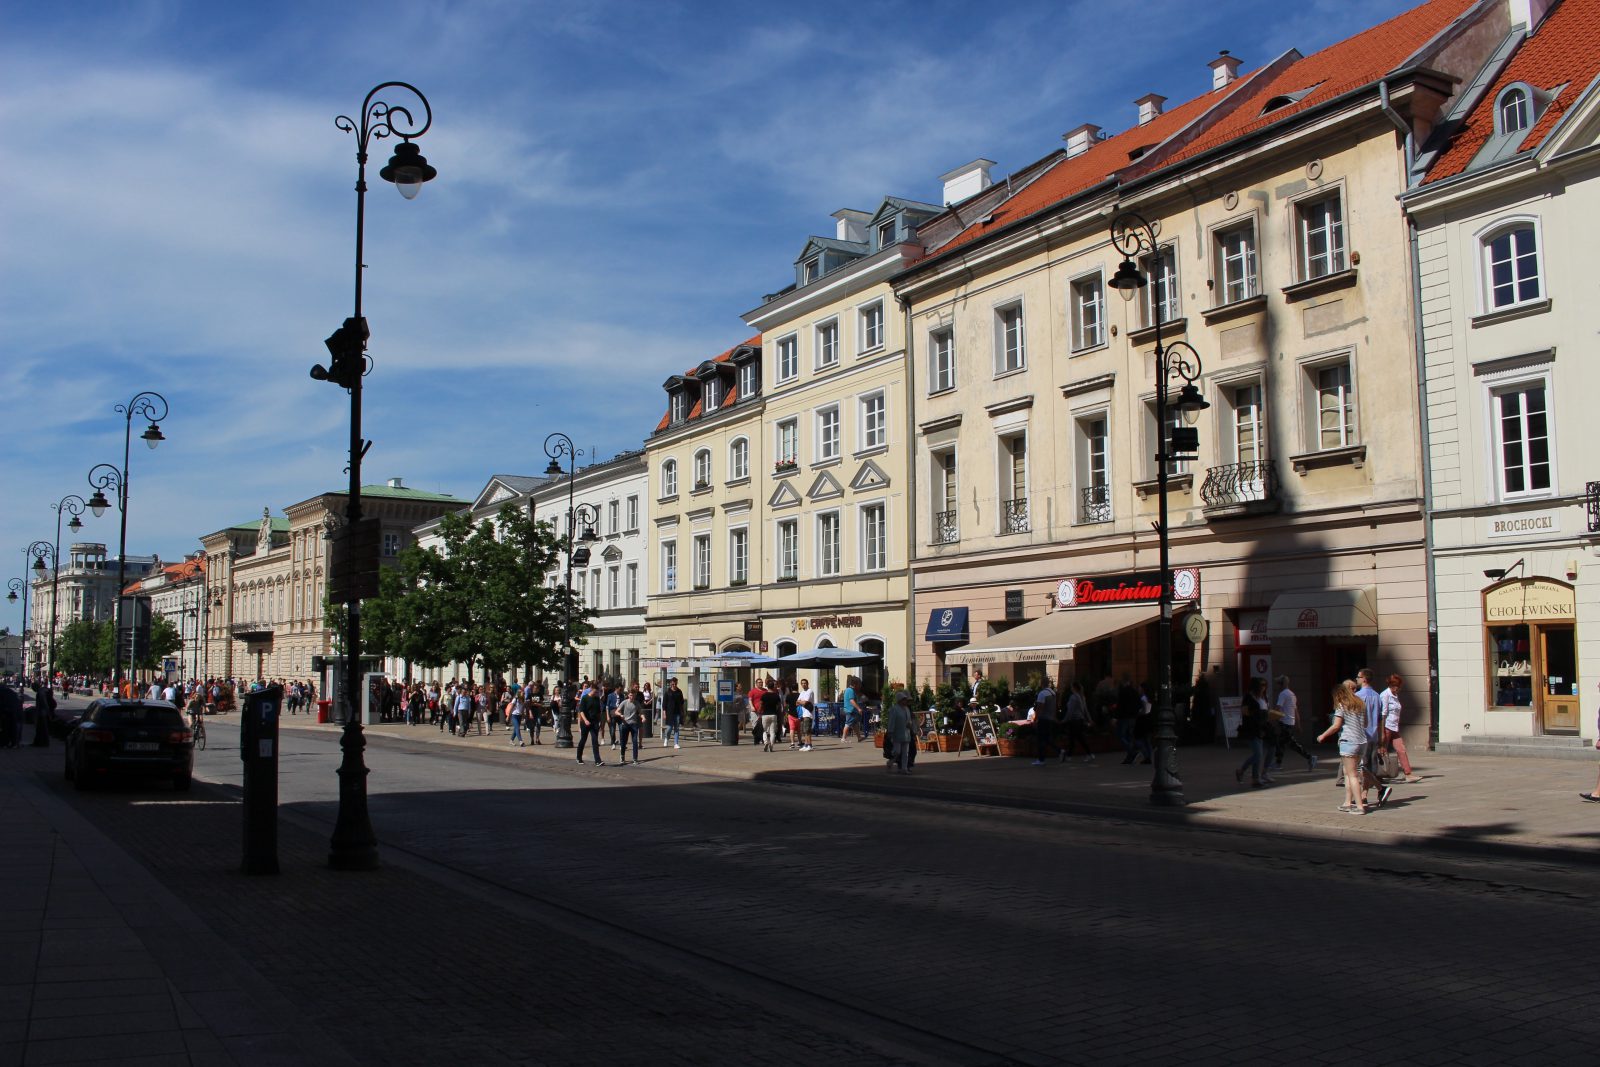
[[1010, 740]]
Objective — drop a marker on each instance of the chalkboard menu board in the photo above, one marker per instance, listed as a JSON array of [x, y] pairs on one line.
[[980, 728]]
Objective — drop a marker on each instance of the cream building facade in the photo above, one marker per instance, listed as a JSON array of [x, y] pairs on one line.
[[1282, 258], [176, 592], [87, 590], [1508, 327], [267, 579]]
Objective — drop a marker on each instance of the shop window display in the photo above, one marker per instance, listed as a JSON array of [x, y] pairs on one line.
[[1513, 666]]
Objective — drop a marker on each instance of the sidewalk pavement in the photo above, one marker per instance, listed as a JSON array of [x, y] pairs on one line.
[[102, 963], [1509, 806]]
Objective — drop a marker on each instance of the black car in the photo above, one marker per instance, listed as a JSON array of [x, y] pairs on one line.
[[141, 737]]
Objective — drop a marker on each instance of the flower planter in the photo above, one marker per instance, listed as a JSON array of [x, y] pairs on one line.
[[877, 739], [928, 745], [1010, 746], [949, 742]]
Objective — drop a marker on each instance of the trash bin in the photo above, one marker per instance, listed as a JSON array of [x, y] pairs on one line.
[[728, 727], [323, 708]]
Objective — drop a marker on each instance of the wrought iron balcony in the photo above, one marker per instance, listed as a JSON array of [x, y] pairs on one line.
[[1240, 489], [1016, 516], [945, 530], [1094, 504], [1591, 505], [255, 630]]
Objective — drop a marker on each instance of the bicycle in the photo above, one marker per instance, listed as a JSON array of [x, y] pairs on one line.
[[197, 727]]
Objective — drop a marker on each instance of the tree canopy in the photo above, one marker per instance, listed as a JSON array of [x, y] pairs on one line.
[[481, 599]]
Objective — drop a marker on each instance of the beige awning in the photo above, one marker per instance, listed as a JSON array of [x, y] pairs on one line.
[[1054, 636], [1324, 613]]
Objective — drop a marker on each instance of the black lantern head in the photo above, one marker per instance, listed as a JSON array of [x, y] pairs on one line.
[[152, 435], [408, 169], [1128, 280], [98, 503], [12, 596], [38, 564], [553, 470], [1190, 403], [75, 524]]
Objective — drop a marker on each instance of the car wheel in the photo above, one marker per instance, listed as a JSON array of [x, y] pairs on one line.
[[181, 783]]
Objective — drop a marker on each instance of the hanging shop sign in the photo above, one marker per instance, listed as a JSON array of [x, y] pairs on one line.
[[1134, 587], [825, 622], [1529, 600]]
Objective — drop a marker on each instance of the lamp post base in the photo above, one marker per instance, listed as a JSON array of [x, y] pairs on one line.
[[353, 847], [564, 729], [1166, 788]]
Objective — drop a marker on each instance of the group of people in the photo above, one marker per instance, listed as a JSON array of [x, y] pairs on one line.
[[776, 711]]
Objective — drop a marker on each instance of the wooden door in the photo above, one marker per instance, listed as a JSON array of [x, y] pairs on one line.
[[1558, 679]]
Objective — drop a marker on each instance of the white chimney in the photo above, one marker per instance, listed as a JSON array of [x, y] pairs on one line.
[[396, 483], [1529, 13], [1149, 106], [1082, 139], [851, 225], [967, 180], [1224, 69]]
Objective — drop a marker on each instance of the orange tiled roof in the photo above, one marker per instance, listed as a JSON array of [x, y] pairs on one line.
[[727, 401], [1340, 68], [1565, 50]]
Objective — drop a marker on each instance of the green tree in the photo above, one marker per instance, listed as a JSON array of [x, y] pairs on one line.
[[85, 647], [164, 640]]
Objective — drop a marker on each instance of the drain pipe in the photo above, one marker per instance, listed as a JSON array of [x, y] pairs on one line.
[[909, 349], [1427, 483]]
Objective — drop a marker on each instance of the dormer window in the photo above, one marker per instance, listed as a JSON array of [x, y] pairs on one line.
[[749, 380], [680, 406], [713, 396], [886, 234], [813, 270], [1514, 112]]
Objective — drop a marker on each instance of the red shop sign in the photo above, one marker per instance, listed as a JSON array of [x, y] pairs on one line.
[[1136, 587]]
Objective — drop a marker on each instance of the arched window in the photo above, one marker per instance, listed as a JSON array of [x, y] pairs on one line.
[[1511, 269], [1514, 111], [702, 469], [669, 478], [739, 459]]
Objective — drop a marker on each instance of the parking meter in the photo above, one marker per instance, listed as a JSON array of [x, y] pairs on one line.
[[258, 749]]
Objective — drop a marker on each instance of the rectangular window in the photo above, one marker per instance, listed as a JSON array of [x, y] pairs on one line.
[[1014, 506], [945, 514], [813, 269], [828, 344], [1088, 313], [614, 587], [1160, 297], [1524, 439], [1320, 231], [1335, 406], [1249, 441], [633, 585], [739, 460], [633, 514], [788, 359], [941, 361], [828, 544], [669, 566], [1236, 263], [874, 538], [1512, 260], [613, 510], [594, 588], [788, 550], [1010, 343], [702, 561], [739, 556], [669, 478], [680, 406], [749, 380], [1157, 439], [788, 442], [391, 543], [872, 326], [828, 433], [712, 396], [885, 234], [1094, 470], [702, 469], [874, 422]]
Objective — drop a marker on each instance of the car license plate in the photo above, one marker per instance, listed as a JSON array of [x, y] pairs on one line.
[[141, 746]]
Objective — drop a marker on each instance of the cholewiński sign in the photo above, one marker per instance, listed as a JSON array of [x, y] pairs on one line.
[[1136, 587]]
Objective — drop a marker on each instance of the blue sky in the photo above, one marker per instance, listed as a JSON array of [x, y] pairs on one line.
[[618, 181]]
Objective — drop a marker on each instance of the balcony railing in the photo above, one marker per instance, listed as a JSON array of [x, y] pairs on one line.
[[1240, 488], [1016, 516], [1591, 505], [1094, 504], [945, 531], [256, 628]]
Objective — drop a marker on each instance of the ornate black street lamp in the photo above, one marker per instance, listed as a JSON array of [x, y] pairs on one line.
[[354, 847], [555, 446], [19, 586], [145, 405], [1134, 237], [39, 550]]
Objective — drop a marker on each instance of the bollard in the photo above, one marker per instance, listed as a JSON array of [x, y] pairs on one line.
[[258, 749]]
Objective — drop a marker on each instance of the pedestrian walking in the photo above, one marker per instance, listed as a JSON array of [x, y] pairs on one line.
[[1285, 727], [629, 716], [1350, 724], [1044, 721], [851, 701], [1374, 705], [1075, 720], [1593, 796], [462, 710], [515, 711], [771, 709], [900, 733], [805, 706], [591, 722], [1253, 728], [672, 706], [1390, 739], [1126, 710]]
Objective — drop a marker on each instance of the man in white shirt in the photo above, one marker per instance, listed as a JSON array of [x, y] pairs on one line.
[[1285, 732]]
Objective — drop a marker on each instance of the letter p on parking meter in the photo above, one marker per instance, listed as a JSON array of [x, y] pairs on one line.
[[258, 749]]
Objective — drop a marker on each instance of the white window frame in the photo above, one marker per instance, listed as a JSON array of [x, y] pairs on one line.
[[710, 395], [788, 358], [890, 225], [669, 566], [1258, 423], [1311, 390], [941, 359], [830, 565], [1497, 386], [788, 542], [613, 516], [826, 449], [679, 403], [614, 587], [700, 547], [873, 437], [1087, 294], [1335, 257], [864, 512], [1524, 110], [1003, 363], [739, 459], [826, 336], [873, 337], [633, 585], [1164, 287], [702, 469], [633, 514], [789, 450], [669, 479], [749, 379], [739, 555], [1088, 473], [1248, 285], [1485, 241]]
